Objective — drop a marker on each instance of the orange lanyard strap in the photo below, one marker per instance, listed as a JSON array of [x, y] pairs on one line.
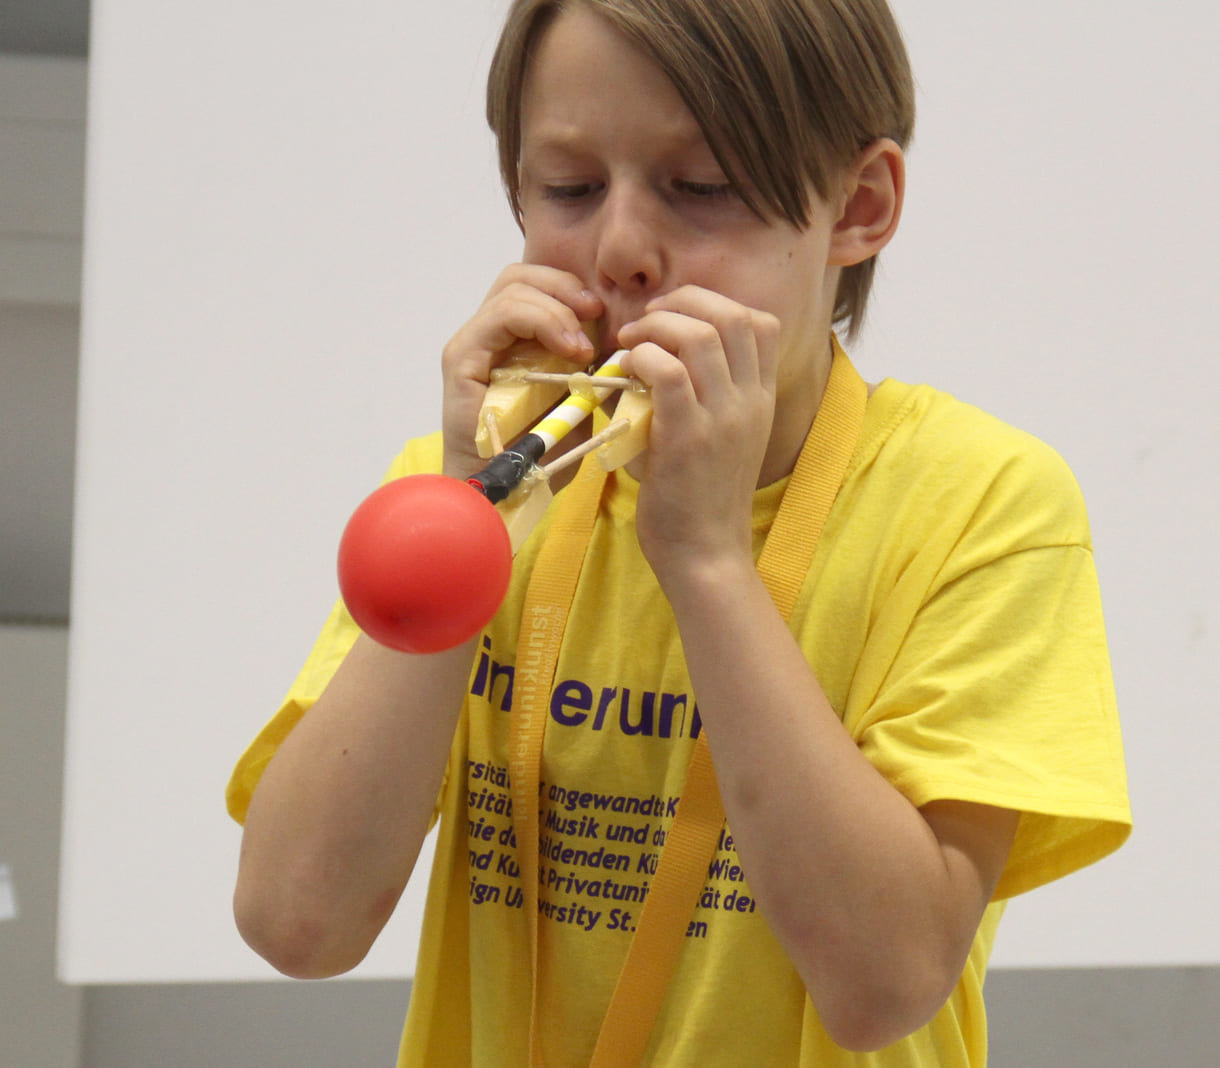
[[691, 841], [544, 615]]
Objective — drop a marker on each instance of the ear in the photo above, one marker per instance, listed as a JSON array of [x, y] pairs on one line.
[[872, 192]]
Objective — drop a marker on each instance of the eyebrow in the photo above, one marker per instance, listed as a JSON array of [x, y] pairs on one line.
[[569, 140], [561, 139]]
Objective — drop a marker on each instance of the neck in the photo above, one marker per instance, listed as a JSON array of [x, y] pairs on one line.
[[798, 395]]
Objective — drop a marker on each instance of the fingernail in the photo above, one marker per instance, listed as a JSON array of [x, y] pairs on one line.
[[577, 340]]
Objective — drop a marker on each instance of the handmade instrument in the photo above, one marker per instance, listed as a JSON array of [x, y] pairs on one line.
[[425, 561]]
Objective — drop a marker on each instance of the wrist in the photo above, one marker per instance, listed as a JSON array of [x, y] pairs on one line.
[[703, 583], [460, 463]]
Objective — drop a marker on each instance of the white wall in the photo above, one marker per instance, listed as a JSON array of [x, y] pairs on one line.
[[1057, 266], [285, 224]]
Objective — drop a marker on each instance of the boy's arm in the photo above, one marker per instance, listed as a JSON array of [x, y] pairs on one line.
[[336, 823], [876, 903], [339, 815]]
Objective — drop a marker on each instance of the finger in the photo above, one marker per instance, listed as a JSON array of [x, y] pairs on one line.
[[523, 313], [662, 372], [515, 311], [748, 335], [563, 286], [694, 348]]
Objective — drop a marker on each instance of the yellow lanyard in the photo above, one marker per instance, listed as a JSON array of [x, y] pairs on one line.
[[691, 841]]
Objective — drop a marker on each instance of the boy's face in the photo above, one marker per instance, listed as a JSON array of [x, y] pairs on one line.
[[619, 187]]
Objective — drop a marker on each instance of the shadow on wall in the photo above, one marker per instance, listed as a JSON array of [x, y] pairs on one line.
[[45, 28]]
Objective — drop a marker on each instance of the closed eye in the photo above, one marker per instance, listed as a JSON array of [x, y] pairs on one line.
[[705, 190], [575, 191]]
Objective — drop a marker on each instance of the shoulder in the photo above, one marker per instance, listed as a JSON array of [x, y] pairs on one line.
[[933, 429], [947, 462]]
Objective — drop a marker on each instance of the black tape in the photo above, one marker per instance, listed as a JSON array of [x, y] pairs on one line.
[[506, 470]]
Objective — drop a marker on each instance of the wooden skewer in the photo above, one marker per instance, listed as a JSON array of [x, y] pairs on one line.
[[604, 382], [493, 431], [578, 452], [506, 469]]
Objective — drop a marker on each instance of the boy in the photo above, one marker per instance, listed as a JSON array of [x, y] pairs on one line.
[[922, 727]]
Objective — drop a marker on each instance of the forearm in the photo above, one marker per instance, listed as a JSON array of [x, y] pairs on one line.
[[875, 915], [338, 818]]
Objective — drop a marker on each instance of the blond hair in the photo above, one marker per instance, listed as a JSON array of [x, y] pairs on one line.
[[786, 92]]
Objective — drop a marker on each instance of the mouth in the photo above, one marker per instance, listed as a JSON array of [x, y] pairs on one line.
[[607, 336]]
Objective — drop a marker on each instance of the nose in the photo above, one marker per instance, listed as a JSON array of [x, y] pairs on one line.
[[630, 247]]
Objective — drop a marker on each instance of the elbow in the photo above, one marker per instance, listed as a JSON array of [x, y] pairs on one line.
[[866, 1013], [880, 1020], [874, 1024], [294, 942]]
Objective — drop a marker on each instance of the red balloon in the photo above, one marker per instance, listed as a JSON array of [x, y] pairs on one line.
[[424, 563]]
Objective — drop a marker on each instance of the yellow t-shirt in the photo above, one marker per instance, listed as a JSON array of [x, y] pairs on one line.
[[952, 616]]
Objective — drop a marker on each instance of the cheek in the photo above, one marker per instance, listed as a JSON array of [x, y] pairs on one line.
[[731, 272], [551, 248], [763, 273], [775, 284], [799, 279]]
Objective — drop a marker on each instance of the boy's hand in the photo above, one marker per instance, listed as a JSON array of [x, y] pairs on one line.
[[527, 302], [711, 364]]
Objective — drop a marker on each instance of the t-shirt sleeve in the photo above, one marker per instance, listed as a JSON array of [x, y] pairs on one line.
[[336, 639], [1001, 690]]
